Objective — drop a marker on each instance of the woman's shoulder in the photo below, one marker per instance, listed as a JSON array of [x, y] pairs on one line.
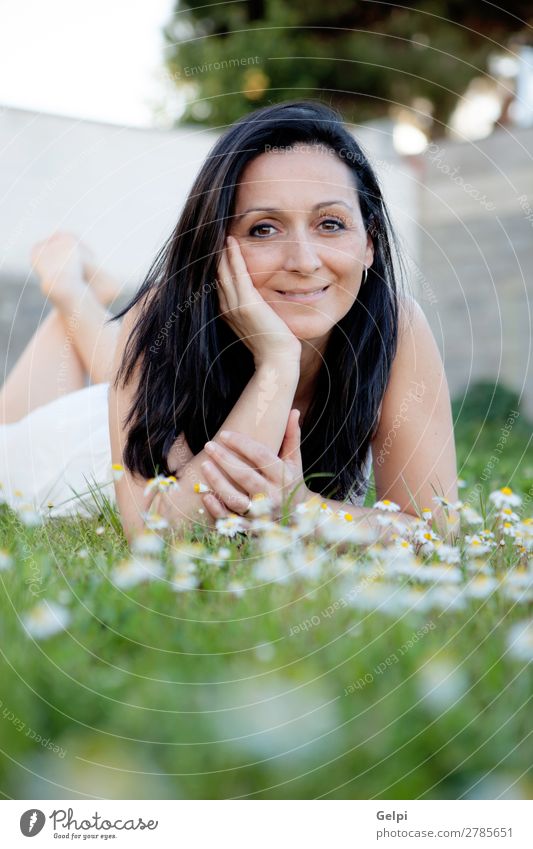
[[417, 370]]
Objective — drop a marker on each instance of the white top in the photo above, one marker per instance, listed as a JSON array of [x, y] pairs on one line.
[[59, 451]]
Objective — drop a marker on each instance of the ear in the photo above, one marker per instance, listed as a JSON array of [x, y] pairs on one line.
[[369, 254]]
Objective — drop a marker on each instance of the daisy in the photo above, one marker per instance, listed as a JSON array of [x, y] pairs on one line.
[[272, 569], [6, 561], [161, 483], [505, 497], [507, 515], [46, 619], [450, 553], [183, 581], [155, 521], [129, 573], [470, 516], [481, 586], [261, 505], [520, 640], [335, 529], [200, 487], [475, 546], [231, 525], [427, 514], [28, 515], [147, 542], [388, 506], [236, 588], [117, 470]]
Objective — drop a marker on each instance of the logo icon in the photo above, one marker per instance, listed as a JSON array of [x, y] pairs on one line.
[[32, 822]]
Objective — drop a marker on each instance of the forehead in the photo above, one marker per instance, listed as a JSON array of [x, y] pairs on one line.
[[306, 172]]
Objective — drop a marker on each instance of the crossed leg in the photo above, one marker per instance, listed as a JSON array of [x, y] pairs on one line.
[[74, 343]]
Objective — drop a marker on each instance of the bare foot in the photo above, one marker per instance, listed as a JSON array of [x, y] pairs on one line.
[[58, 263]]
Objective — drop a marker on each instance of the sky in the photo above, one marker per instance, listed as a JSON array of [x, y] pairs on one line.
[[100, 60]]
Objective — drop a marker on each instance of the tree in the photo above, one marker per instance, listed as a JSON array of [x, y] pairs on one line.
[[363, 57]]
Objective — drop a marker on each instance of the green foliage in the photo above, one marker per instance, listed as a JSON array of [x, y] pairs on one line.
[[364, 58]]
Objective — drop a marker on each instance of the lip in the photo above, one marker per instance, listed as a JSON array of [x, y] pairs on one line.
[[300, 297]]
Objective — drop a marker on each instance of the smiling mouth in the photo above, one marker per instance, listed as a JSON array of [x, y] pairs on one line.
[[309, 294]]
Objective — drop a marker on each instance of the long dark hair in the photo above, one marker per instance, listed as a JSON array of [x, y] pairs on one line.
[[192, 368]]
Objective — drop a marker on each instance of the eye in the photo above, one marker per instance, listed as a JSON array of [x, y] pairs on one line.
[[253, 229], [338, 224]]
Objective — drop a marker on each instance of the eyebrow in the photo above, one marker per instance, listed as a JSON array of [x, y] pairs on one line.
[[273, 209]]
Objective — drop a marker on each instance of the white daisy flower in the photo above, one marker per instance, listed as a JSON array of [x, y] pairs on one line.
[[508, 515], [441, 684], [161, 483], [46, 619], [447, 597], [475, 546], [182, 581], [445, 573], [261, 505], [520, 640], [471, 517], [231, 525], [130, 572], [117, 471], [28, 515], [335, 529], [236, 588], [427, 515], [387, 506], [449, 553], [154, 521], [6, 561], [481, 586], [200, 487], [272, 569], [505, 497], [147, 542]]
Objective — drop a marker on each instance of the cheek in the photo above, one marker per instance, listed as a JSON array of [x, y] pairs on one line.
[[261, 261]]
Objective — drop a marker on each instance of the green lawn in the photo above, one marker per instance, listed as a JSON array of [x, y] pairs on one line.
[[323, 682]]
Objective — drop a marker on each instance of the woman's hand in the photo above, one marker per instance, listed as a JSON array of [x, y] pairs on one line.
[[248, 314], [245, 464]]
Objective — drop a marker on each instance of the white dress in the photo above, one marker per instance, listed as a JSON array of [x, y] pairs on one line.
[[57, 453], [53, 457]]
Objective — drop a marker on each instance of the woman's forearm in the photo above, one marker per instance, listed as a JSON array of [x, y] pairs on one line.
[[261, 412]]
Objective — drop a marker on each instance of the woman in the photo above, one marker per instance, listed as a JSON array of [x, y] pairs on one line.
[[273, 312]]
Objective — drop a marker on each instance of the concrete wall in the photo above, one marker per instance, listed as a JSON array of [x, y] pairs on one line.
[[476, 258]]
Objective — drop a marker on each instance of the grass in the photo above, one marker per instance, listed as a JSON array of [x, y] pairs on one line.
[[245, 688]]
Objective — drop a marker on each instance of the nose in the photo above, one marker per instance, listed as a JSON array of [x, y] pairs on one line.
[[301, 255]]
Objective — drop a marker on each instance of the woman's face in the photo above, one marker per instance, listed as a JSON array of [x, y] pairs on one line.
[[298, 222]]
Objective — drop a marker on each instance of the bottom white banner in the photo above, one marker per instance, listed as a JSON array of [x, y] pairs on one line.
[[311, 824]]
